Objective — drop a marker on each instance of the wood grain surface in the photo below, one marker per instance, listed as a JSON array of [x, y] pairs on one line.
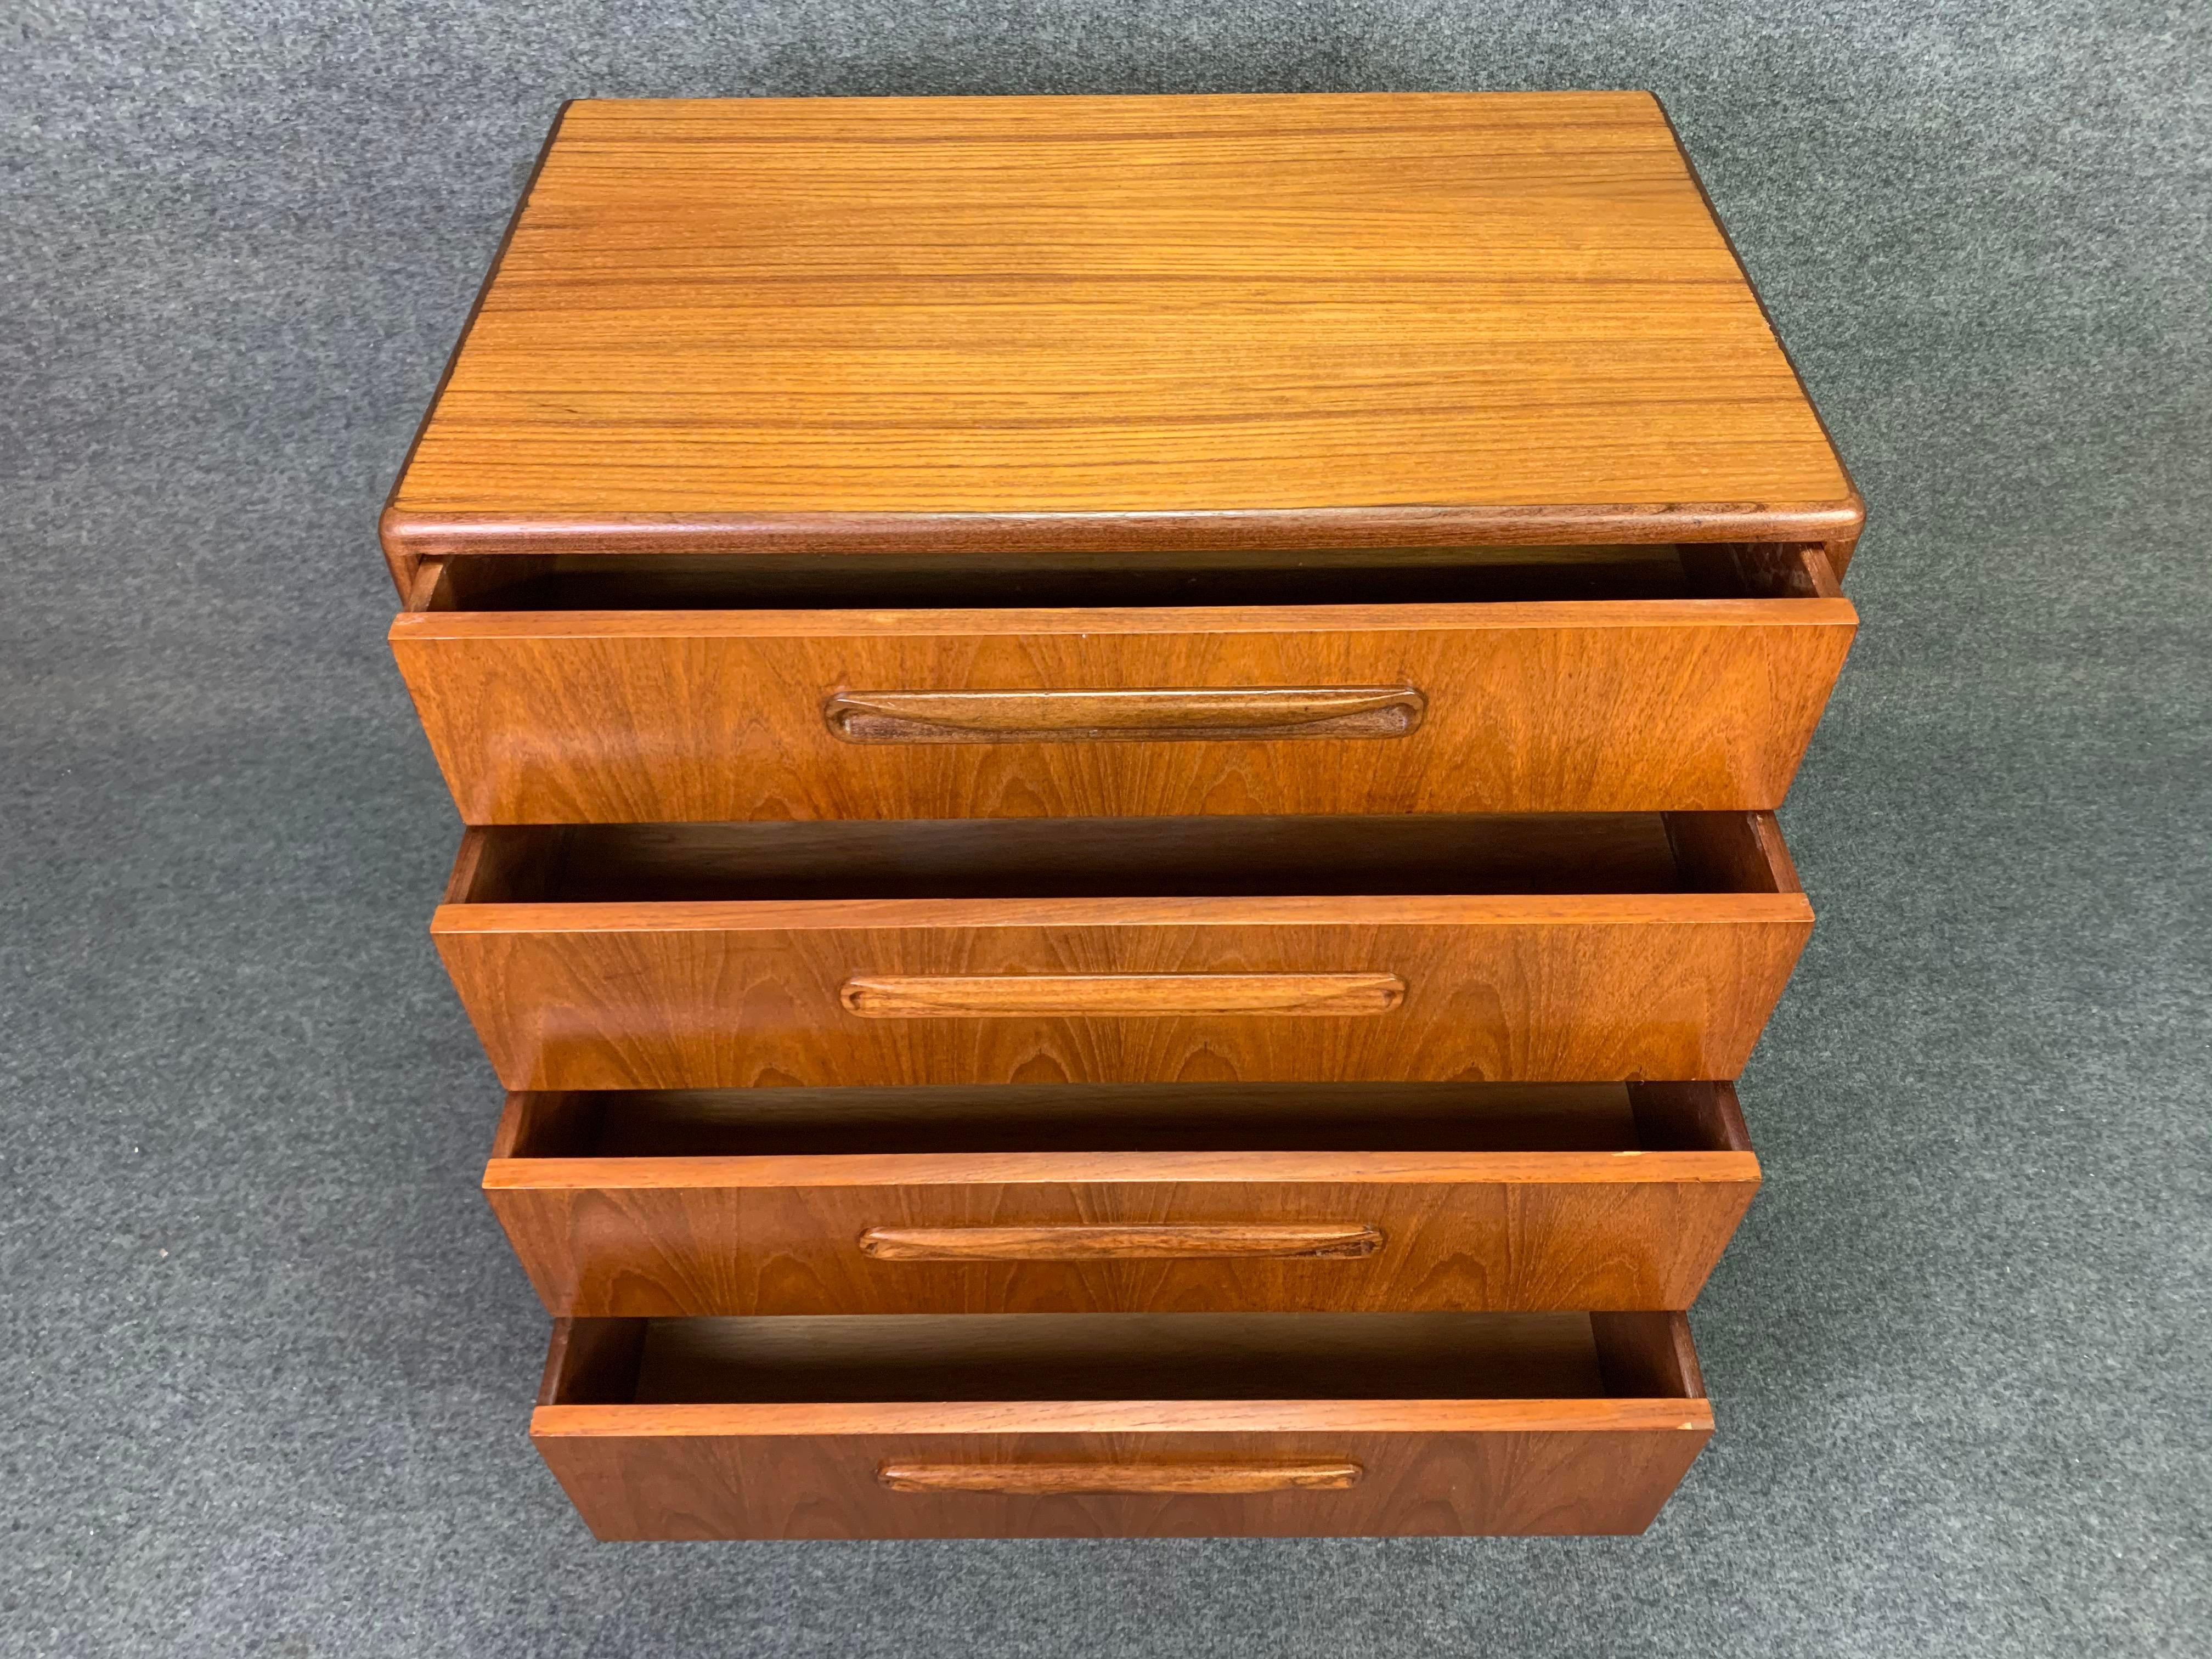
[[670, 992], [710, 995], [1562, 706], [1560, 1451], [1313, 319], [1154, 714], [1637, 1223], [1117, 996], [1120, 1241], [1527, 1468], [1043, 1480]]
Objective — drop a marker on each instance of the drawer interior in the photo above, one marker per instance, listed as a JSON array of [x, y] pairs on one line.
[[958, 581], [1167, 857], [1001, 1357], [1138, 1117]]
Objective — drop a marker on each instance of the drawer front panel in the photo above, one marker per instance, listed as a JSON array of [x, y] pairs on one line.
[[1121, 1232], [739, 995], [659, 716], [1537, 1467]]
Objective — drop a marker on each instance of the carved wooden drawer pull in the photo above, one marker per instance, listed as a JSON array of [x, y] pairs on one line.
[[988, 996], [1043, 1480], [1079, 1244], [1194, 715]]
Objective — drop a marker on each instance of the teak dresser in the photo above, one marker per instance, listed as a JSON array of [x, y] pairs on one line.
[[1119, 756]]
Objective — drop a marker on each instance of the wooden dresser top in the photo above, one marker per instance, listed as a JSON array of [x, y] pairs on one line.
[[1269, 321]]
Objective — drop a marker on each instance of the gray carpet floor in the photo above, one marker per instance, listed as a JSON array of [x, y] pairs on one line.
[[268, 1356]]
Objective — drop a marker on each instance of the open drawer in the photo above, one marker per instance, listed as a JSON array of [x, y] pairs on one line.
[[1209, 1197], [1044, 1425], [638, 689], [1417, 949]]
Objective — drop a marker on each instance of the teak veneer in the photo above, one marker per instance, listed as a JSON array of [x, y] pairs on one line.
[[604, 958], [1122, 1426], [1119, 757], [1671, 678], [1360, 319], [1406, 1197]]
